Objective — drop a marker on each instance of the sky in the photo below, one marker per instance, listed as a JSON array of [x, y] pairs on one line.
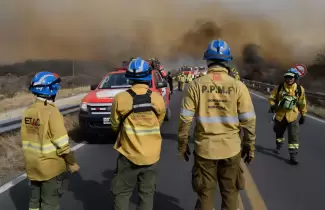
[[288, 30]]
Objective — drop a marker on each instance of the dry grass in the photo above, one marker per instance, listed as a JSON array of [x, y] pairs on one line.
[[11, 154], [22, 99]]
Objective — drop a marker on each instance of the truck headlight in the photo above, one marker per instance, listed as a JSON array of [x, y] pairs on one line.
[[83, 107]]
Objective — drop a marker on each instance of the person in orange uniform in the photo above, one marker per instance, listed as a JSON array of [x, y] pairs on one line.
[[222, 106], [46, 144], [137, 115]]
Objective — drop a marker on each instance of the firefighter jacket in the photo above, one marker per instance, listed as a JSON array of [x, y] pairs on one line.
[[221, 106], [139, 138], [44, 140], [190, 77], [291, 90], [182, 78]]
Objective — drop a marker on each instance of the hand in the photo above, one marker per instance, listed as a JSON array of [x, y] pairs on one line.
[[272, 109], [186, 155], [73, 168], [302, 120], [247, 153]]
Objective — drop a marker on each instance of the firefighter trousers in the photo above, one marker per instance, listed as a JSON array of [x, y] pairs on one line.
[[127, 176], [46, 195], [227, 172], [293, 134], [181, 85]]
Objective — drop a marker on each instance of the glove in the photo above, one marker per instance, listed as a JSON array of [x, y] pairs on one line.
[[73, 168], [272, 109], [69, 158], [302, 120], [247, 153], [186, 155]]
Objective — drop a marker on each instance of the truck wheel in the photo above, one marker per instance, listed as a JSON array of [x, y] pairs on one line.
[[168, 115]]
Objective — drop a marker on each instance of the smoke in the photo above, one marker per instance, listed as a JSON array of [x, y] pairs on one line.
[[168, 29]]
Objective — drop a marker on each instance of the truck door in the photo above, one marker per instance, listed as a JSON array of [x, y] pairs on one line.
[[162, 91]]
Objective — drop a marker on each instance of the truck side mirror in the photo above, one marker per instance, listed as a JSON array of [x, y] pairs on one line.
[[162, 84]]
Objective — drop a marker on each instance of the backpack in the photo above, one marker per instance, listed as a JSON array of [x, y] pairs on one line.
[[298, 92], [141, 103]]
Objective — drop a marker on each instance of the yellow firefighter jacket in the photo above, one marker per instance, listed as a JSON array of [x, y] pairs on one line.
[[44, 141], [291, 115], [190, 77], [221, 105], [183, 78], [140, 139]]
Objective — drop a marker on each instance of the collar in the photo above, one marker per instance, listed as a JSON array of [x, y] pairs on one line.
[[140, 86], [290, 87], [216, 68], [39, 99]]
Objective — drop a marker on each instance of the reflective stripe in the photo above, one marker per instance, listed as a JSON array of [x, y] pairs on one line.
[[62, 141], [35, 147], [293, 146], [142, 105], [218, 119], [142, 131], [246, 115], [34, 209], [280, 140], [187, 113]]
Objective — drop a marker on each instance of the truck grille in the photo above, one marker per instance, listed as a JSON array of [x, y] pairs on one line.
[[99, 108]]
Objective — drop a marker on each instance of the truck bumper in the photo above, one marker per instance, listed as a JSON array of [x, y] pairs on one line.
[[94, 122]]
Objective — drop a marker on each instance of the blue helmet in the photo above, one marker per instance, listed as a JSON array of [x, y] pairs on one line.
[[292, 73], [218, 50], [45, 84], [139, 70]]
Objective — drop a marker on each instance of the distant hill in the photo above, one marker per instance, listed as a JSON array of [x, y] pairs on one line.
[[62, 67]]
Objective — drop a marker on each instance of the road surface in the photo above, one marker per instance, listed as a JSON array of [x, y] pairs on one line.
[[280, 185]]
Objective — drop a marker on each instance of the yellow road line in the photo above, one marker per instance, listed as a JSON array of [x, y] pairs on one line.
[[254, 196]]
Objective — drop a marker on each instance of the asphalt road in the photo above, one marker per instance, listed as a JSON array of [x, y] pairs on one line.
[[281, 186]]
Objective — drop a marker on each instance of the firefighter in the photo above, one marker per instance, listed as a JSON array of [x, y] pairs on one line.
[[182, 80], [137, 115], [234, 73], [45, 144], [170, 81], [222, 107], [189, 77], [178, 79], [287, 101]]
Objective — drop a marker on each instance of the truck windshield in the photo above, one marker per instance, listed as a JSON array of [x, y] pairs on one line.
[[187, 69], [115, 81]]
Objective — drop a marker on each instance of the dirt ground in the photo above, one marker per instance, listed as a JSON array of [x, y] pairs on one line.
[[23, 99]]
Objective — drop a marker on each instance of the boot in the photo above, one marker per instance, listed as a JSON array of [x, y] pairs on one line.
[[293, 157], [278, 148]]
